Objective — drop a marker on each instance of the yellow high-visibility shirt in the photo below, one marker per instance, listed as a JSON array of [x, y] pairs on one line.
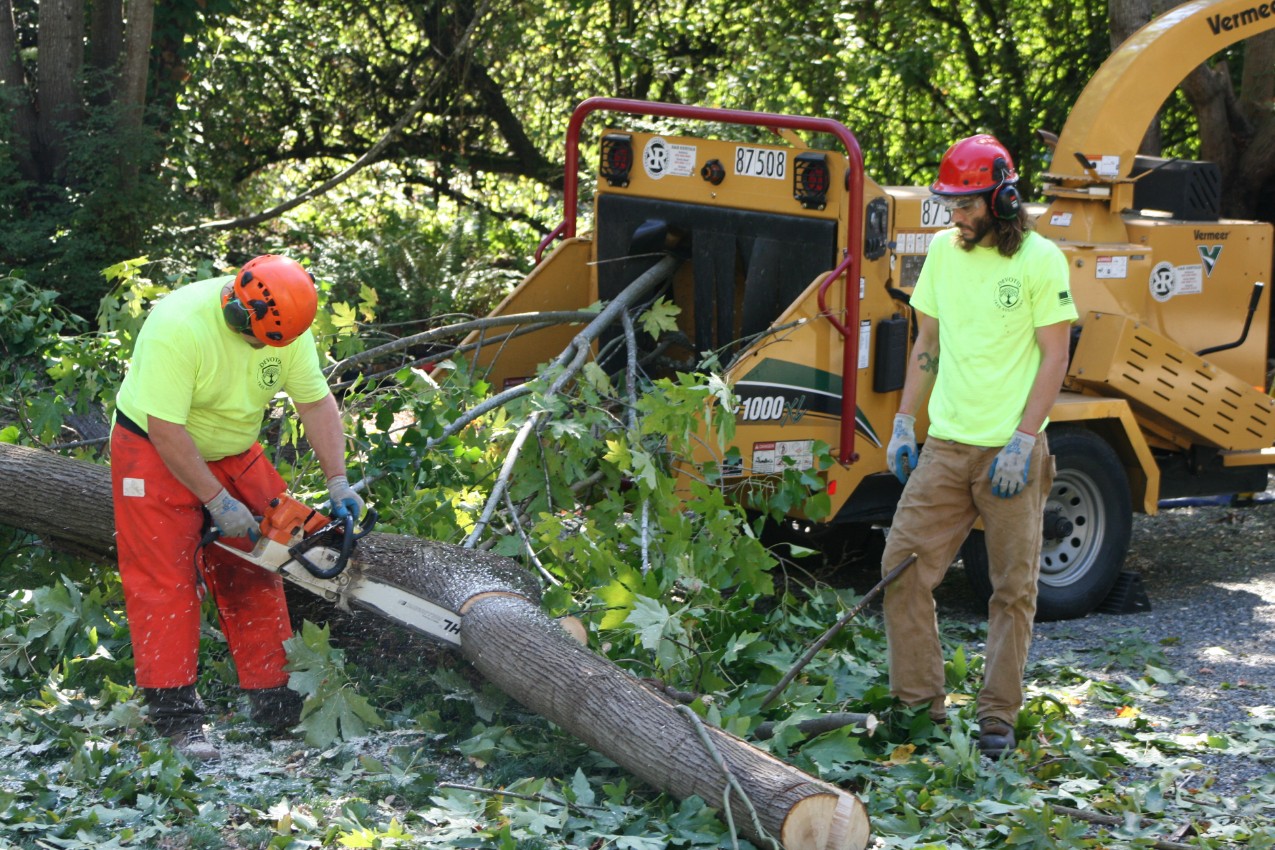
[[190, 368], [988, 308]]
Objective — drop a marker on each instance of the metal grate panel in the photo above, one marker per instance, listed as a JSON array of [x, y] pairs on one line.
[[1171, 386]]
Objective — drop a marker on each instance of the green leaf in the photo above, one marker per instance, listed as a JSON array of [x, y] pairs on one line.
[[581, 790], [618, 453], [834, 750], [333, 710], [344, 317], [660, 318], [336, 715]]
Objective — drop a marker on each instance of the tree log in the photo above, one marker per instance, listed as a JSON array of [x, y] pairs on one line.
[[506, 636], [642, 731]]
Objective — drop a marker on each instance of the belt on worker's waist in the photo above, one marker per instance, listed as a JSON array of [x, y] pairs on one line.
[[129, 425]]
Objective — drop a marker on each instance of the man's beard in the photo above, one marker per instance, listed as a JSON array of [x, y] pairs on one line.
[[981, 228]]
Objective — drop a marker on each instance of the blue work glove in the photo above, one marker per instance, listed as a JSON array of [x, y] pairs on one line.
[[232, 517], [1009, 470], [345, 502], [901, 454]]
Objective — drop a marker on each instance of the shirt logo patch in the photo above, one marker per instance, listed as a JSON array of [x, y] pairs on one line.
[[1064, 298], [1008, 293], [269, 373], [135, 487]]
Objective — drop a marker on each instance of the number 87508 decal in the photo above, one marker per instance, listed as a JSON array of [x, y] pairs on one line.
[[761, 162]]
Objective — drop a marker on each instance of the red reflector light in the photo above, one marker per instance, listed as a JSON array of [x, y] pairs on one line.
[[811, 179], [617, 159]]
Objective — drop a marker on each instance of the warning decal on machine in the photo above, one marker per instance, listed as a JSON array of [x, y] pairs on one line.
[[1105, 165], [775, 457], [662, 158], [1113, 267], [910, 242], [1168, 280]]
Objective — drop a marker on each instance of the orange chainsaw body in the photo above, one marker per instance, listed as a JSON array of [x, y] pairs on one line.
[[288, 521]]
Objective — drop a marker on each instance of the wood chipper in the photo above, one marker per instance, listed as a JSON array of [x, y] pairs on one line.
[[797, 271]]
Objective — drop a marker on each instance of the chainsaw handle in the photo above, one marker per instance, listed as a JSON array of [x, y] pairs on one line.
[[348, 538], [369, 520], [214, 533]]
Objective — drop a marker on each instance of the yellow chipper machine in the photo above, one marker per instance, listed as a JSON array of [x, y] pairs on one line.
[[798, 266]]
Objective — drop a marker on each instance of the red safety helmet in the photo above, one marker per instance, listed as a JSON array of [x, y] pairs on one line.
[[976, 164], [273, 299]]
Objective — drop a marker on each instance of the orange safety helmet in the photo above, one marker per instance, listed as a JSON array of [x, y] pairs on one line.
[[975, 164], [273, 298]]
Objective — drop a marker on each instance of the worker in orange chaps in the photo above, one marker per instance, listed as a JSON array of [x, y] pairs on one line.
[[185, 457]]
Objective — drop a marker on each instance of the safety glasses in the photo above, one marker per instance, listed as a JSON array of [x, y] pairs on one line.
[[964, 203]]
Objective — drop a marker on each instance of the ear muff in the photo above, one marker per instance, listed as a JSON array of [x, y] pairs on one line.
[[239, 317], [1005, 201]]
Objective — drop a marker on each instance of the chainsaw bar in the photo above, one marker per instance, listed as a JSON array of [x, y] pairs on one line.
[[408, 609], [391, 602]]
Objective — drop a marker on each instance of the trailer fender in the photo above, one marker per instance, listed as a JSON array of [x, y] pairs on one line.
[[1112, 419]]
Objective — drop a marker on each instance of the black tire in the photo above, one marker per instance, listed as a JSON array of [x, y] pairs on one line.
[[1077, 568]]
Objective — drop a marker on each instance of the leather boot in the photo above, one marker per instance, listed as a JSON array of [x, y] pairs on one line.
[[995, 737], [277, 709], [178, 714]]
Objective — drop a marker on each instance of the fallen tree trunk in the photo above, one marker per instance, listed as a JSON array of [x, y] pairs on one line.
[[506, 636], [643, 732]]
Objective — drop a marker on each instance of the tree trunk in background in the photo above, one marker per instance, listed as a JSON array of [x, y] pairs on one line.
[[131, 96], [1257, 160], [139, 21], [106, 41], [60, 62], [16, 95], [506, 636]]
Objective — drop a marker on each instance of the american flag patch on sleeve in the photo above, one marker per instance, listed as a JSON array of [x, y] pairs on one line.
[[1064, 297]]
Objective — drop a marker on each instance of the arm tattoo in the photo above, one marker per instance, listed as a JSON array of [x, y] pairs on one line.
[[927, 362]]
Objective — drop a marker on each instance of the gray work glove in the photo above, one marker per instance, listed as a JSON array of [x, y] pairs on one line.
[[345, 502], [901, 454], [1009, 470], [232, 517]]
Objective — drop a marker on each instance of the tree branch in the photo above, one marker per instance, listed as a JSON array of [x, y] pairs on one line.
[[366, 159], [315, 191], [834, 629], [569, 363]]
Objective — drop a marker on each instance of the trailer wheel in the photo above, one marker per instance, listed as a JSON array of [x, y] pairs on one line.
[[1088, 522]]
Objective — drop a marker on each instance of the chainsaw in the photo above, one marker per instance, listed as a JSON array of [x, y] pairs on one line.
[[312, 550]]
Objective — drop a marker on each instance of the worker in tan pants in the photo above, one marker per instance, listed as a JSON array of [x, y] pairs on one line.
[[993, 309]]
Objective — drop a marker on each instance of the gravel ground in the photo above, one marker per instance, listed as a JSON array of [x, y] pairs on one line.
[[1209, 575]]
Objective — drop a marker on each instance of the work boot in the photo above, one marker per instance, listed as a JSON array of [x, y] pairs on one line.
[[277, 709], [193, 743], [178, 715], [995, 737]]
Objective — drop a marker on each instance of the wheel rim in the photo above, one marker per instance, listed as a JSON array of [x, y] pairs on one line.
[[1076, 497]]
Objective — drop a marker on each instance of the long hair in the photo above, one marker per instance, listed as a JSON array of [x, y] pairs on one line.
[[1010, 232]]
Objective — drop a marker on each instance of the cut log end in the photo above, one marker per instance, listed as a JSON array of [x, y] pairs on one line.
[[826, 822]]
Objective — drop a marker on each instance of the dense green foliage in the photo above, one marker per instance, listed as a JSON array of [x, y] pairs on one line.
[[254, 104]]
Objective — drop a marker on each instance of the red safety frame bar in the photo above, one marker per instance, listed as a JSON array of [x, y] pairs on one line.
[[850, 266]]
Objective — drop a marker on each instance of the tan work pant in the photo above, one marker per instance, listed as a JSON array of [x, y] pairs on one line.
[[943, 498]]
